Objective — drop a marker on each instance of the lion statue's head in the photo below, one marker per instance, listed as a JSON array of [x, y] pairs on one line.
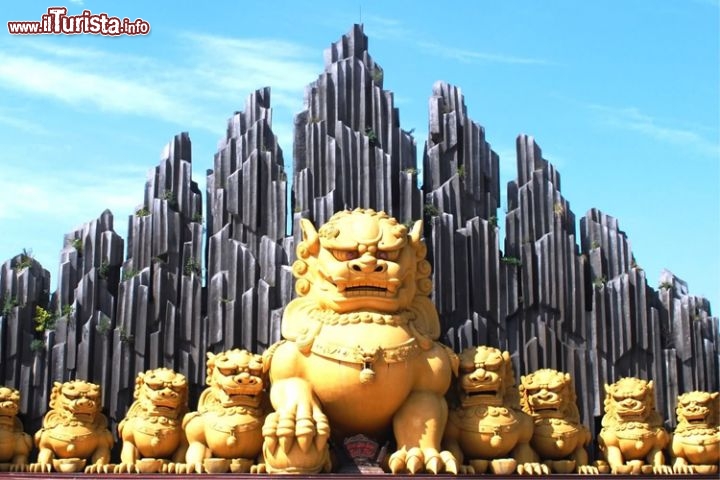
[[630, 400], [76, 399], [236, 378], [487, 377], [547, 393], [161, 392], [698, 409], [9, 405], [362, 259], [361, 265]]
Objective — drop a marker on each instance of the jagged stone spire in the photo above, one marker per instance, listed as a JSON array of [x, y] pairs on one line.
[[549, 327], [158, 322], [461, 187], [349, 148], [247, 284]]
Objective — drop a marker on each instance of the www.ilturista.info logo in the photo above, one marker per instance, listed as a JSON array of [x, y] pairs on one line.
[[57, 21]]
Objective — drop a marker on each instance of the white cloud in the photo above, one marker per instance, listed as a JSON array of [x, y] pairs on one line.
[[473, 56], [193, 93], [66, 196], [631, 118]]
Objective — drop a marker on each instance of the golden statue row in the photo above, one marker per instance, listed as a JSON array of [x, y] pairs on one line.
[[360, 356]]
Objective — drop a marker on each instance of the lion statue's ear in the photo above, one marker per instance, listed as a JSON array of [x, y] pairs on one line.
[[426, 321], [416, 232], [310, 236]]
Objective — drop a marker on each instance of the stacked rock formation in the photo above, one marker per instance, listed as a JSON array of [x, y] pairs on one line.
[[86, 299], [548, 327], [159, 312], [249, 282], [461, 187], [349, 148], [24, 288], [586, 310]]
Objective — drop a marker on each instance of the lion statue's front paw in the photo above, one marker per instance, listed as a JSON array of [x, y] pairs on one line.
[[532, 468], [417, 460], [296, 444]]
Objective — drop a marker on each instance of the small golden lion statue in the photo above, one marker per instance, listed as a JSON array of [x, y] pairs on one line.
[[74, 431], [488, 427], [632, 438], [696, 442], [359, 355], [226, 430], [15, 444], [559, 438], [151, 432]]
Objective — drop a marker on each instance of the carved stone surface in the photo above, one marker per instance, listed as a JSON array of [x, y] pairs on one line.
[[359, 353], [488, 431], [74, 433], [632, 439], [15, 444]]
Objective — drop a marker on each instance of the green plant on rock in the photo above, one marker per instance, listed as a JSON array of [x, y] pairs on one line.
[[67, 310], [9, 303], [77, 244], [37, 345], [594, 244], [377, 75], [665, 285], [43, 319], [125, 336], [129, 273], [599, 281], [559, 209], [430, 210], [104, 325], [461, 171], [103, 269], [493, 221], [372, 136], [142, 212], [411, 170], [26, 260], [192, 266], [510, 260]]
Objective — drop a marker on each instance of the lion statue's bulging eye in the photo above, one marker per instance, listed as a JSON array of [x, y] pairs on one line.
[[345, 255], [391, 255]]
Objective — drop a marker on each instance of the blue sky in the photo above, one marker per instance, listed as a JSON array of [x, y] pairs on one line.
[[623, 97]]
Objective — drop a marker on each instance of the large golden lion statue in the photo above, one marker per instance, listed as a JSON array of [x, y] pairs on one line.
[[559, 438], [15, 444], [696, 442], [226, 430], [359, 354], [488, 429], [74, 431], [632, 438], [151, 432]]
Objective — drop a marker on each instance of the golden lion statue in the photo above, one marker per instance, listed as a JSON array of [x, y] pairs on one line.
[[488, 427], [559, 438], [696, 442], [151, 432], [226, 431], [15, 444], [632, 438], [74, 431], [359, 355]]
